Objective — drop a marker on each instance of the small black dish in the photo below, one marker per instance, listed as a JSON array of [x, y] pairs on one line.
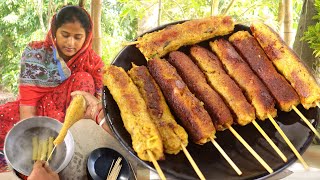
[[100, 161]]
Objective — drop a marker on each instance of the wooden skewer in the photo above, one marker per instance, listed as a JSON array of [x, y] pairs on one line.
[[249, 148], [51, 153], [288, 142], [156, 165], [134, 174], [130, 43], [110, 168], [234, 166], [283, 157], [306, 121], [193, 164]]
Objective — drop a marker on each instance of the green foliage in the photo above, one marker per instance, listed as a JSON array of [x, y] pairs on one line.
[[17, 24], [312, 34]]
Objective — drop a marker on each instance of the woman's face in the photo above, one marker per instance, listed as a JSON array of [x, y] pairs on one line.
[[70, 38]]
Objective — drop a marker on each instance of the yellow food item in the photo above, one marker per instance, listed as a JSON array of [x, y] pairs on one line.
[[159, 43], [39, 150], [50, 147], [44, 150], [254, 89], [35, 145], [173, 135], [75, 112], [133, 110], [288, 64]]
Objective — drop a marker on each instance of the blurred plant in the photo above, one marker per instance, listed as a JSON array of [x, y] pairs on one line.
[[312, 34]]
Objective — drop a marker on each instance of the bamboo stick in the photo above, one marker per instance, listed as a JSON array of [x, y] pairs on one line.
[[306, 121], [233, 165], [249, 148], [193, 164], [283, 157], [288, 142], [130, 43], [156, 165]]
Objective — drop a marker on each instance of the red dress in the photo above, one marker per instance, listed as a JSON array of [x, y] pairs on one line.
[[46, 81]]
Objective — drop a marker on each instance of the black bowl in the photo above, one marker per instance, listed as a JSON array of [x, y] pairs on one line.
[[207, 157], [100, 161]]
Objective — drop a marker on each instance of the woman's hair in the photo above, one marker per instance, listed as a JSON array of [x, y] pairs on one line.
[[71, 14]]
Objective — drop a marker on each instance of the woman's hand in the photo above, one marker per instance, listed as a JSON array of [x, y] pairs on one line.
[[94, 109], [94, 104], [41, 171]]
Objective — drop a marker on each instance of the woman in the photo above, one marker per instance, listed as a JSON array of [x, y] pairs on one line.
[[51, 69]]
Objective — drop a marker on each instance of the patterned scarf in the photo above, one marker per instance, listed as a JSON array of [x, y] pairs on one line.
[[42, 69]]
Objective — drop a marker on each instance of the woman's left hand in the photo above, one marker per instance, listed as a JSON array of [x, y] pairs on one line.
[[94, 104]]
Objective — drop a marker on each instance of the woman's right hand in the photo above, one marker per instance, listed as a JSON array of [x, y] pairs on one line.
[[94, 104]]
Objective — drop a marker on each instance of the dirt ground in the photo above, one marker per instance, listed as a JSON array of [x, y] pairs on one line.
[[6, 97]]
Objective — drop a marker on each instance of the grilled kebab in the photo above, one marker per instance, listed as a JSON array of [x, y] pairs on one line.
[[288, 64], [173, 135], [239, 70], [249, 48], [197, 83], [134, 114], [194, 118], [171, 38], [223, 84]]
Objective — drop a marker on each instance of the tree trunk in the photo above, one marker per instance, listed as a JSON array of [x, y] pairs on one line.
[[150, 18], [288, 34], [159, 13], [228, 8], [40, 8], [96, 6], [82, 3], [214, 7], [302, 47], [281, 17], [49, 13]]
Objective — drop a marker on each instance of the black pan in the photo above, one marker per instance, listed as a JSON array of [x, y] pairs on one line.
[[207, 157]]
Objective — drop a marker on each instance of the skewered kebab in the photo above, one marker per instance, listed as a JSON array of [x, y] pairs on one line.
[[238, 69], [249, 48], [284, 94], [196, 82], [174, 137], [194, 118], [171, 38], [146, 140], [172, 134], [290, 66], [223, 84], [215, 73], [75, 111], [186, 106], [255, 91]]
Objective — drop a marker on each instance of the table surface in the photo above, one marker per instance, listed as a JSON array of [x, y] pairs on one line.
[[92, 137]]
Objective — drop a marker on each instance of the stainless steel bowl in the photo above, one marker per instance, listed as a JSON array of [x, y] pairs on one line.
[[18, 144]]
